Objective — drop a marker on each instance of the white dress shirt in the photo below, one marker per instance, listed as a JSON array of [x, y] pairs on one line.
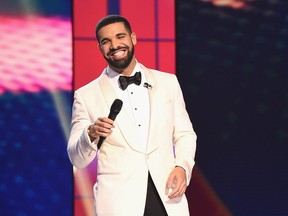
[[135, 102]]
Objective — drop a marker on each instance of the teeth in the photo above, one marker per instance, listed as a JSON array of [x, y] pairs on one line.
[[119, 53]]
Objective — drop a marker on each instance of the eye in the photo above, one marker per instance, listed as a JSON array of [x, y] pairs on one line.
[[120, 36], [103, 42]]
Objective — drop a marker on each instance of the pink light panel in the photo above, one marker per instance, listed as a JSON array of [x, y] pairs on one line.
[[35, 54]]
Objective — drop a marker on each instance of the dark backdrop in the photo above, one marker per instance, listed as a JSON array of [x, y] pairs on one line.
[[232, 66]]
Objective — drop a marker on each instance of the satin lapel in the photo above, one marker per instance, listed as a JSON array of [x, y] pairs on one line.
[[123, 121], [107, 90], [152, 145]]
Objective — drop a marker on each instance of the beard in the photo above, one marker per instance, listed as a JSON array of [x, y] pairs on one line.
[[121, 63]]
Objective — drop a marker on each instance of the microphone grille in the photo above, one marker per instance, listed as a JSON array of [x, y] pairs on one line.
[[116, 106]]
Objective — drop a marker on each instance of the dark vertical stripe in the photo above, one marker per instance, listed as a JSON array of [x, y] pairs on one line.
[[113, 6], [157, 34]]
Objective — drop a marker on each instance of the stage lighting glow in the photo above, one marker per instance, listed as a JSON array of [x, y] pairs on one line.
[[235, 4], [35, 54]]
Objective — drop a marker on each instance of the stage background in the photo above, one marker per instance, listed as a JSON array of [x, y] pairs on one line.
[[232, 65], [231, 61], [35, 107], [155, 48]]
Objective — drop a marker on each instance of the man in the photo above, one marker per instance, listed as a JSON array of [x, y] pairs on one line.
[[145, 162]]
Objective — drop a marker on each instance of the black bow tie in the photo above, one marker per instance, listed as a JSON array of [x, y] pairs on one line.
[[124, 81]]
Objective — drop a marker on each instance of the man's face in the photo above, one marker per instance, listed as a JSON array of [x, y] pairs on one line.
[[117, 45]]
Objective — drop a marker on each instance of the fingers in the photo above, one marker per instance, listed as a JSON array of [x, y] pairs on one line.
[[178, 190], [102, 127], [176, 183]]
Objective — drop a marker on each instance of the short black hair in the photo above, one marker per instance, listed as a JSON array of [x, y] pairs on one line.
[[114, 18]]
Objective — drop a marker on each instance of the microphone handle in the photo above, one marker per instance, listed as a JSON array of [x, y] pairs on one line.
[[111, 116], [101, 140], [114, 111]]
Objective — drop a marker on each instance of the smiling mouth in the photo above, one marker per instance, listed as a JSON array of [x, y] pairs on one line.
[[117, 54]]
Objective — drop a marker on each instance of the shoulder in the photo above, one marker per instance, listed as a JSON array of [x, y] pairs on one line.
[[160, 74], [87, 87], [164, 75], [91, 86]]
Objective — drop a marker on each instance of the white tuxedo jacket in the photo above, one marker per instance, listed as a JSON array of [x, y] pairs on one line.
[[122, 172]]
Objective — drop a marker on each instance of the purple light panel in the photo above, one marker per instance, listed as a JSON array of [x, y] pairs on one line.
[[35, 54]]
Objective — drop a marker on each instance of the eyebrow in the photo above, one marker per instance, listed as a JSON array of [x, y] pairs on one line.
[[117, 35]]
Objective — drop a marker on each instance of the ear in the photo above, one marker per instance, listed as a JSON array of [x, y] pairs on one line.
[[134, 38], [100, 48]]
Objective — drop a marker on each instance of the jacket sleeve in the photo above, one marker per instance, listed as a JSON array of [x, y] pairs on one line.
[[184, 134], [80, 149]]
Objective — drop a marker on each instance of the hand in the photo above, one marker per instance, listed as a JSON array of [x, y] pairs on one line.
[[177, 182], [101, 127]]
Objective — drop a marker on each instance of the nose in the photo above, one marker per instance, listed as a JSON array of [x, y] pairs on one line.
[[114, 44]]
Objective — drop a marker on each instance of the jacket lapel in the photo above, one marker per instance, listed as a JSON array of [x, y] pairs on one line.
[[152, 145], [123, 121]]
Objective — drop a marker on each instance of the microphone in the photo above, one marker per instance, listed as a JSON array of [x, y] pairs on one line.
[[147, 85], [114, 111]]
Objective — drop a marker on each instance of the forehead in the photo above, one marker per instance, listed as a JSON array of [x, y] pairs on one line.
[[112, 30]]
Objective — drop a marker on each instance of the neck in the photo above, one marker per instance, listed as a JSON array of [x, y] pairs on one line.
[[128, 70]]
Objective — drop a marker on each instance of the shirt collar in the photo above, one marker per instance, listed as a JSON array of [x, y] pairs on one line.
[[113, 74]]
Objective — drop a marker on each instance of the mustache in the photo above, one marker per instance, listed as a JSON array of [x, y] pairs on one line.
[[118, 48]]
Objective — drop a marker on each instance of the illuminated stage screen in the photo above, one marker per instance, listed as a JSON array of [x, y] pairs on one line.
[[155, 48], [35, 97]]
